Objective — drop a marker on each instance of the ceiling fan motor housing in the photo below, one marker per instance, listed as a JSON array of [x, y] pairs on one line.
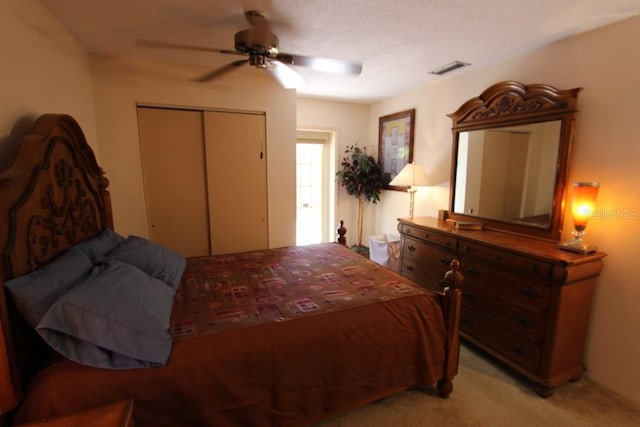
[[256, 43]]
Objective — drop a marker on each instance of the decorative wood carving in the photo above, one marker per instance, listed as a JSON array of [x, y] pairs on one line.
[[70, 219], [515, 102], [54, 202]]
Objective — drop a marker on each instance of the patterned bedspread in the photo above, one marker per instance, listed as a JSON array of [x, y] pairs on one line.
[[284, 337], [241, 290]]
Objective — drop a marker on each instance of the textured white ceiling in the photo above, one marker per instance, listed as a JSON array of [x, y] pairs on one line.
[[398, 42]]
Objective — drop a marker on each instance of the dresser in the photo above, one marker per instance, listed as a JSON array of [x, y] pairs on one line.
[[525, 302]]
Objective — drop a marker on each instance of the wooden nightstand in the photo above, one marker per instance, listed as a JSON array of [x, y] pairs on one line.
[[115, 415]]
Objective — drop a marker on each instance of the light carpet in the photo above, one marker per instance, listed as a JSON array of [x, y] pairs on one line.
[[487, 394]]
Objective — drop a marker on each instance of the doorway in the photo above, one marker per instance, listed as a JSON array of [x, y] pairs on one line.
[[315, 187]]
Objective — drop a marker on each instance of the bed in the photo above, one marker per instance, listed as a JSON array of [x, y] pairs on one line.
[[282, 337]]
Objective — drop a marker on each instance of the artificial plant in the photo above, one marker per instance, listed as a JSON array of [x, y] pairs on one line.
[[361, 175]]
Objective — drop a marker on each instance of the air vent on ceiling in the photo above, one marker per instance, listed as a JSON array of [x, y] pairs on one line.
[[449, 67]]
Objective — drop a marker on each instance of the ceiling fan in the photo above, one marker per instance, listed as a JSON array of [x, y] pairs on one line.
[[261, 47]]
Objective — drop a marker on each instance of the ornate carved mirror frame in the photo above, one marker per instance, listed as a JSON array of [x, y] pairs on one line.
[[508, 104]]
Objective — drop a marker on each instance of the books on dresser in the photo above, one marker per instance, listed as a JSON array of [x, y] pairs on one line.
[[465, 225]]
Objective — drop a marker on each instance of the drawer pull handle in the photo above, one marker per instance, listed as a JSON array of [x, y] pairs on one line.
[[412, 248], [469, 296], [472, 271], [518, 350], [496, 257], [426, 235], [467, 248], [530, 292], [410, 268], [524, 321], [465, 320], [535, 267], [448, 244], [445, 261]]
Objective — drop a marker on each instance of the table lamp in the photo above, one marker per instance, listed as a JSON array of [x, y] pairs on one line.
[[582, 207], [411, 175]]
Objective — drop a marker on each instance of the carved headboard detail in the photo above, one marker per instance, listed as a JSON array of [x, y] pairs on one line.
[[54, 195]]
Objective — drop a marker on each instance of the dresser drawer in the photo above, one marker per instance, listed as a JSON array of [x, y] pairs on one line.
[[412, 269], [524, 291], [430, 256], [504, 259], [528, 324], [429, 236], [509, 344]]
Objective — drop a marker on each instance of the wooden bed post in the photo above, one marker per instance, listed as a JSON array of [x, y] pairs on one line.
[[452, 302], [342, 231]]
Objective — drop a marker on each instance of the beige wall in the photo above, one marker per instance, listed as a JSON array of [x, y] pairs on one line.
[[349, 121], [119, 85], [605, 63], [42, 70]]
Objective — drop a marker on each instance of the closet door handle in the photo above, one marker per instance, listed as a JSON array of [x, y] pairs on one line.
[[411, 248]]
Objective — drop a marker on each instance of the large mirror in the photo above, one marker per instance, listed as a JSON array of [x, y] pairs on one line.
[[510, 163]]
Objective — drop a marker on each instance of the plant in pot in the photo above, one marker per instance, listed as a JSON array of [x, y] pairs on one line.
[[361, 175]]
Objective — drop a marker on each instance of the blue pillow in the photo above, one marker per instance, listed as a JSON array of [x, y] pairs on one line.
[[35, 292], [116, 318], [97, 247], [152, 258]]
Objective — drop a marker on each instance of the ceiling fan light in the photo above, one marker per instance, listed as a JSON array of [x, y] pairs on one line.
[[328, 65], [287, 77]]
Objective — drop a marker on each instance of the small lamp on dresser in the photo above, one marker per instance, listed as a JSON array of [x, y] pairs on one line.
[[582, 206], [411, 175]]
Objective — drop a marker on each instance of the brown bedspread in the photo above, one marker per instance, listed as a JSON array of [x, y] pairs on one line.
[[274, 338]]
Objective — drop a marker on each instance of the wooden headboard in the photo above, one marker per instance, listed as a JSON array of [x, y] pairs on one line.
[[53, 195]]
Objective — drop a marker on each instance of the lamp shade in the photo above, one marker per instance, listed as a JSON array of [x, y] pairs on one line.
[[411, 175], [583, 203], [582, 206]]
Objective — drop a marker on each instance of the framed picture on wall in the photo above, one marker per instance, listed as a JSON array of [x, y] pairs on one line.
[[395, 143]]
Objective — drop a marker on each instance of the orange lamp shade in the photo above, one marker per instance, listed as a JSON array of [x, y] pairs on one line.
[[583, 203]]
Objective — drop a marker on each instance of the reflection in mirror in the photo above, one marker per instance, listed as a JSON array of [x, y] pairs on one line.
[[508, 173]]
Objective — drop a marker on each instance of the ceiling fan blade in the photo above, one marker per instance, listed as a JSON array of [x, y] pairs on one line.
[[326, 65], [221, 71], [166, 45], [287, 76]]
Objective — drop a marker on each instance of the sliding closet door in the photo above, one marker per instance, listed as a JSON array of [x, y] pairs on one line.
[[173, 166], [237, 181]]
